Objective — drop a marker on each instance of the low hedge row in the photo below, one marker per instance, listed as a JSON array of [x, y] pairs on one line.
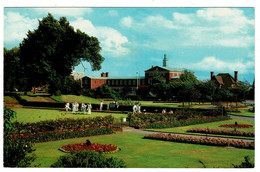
[[170, 124], [62, 134], [222, 132], [201, 140], [66, 123]]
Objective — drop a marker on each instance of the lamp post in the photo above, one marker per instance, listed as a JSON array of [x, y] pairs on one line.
[[137, 80]]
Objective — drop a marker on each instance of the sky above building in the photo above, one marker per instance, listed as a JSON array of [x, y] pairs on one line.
[[202, 40]]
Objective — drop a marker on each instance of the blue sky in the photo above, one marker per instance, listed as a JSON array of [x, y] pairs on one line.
[[134, 39]]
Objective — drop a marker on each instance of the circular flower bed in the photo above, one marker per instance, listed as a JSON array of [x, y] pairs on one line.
[[236, 126], [94, 146]]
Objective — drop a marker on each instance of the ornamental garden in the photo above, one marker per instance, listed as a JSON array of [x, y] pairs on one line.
[[118, 138]]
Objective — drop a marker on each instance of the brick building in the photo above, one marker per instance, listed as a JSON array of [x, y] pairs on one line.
[[225, 80], [168, 73], [134, 82]]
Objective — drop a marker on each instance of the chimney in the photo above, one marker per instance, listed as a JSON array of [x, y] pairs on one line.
[[103, 74], [211, 75], [152, 66], [107, 75], [236, 78]]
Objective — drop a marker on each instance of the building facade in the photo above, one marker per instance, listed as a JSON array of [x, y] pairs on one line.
[[118, 83], [225, 80]]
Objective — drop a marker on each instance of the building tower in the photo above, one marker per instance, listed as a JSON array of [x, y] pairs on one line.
[[165, 61]]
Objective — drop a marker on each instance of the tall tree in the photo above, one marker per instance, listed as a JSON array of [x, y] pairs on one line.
[[49, 53], [11, 69]]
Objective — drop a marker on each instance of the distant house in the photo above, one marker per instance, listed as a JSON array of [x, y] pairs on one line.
[[116, 83], [168, 73], [225, 80]]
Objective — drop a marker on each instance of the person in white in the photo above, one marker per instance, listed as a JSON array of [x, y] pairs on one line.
[[74, 105], [134, 109], [67, 106], [101, 106], [77, 106], [89, 109], [83, 108], [139, 108]]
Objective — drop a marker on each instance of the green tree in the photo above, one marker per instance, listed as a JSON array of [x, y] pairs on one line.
[[240, 91], [49, 53], [188, 76], [12, 77], [105, 91], [207, 90]]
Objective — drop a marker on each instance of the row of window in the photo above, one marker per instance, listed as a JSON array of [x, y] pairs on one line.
[[124, 82]]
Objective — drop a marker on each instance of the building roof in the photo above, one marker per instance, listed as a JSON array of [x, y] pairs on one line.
[[225, 79], [170, 69], [121, 77]]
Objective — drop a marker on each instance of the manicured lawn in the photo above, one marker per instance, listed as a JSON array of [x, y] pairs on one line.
[[73, 98], [143, 153], [213, 125], [244, 112], [27, 115]]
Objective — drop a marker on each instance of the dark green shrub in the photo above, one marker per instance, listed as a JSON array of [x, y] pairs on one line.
[[16, 151], [88, 159], [245, 164], [88, 143]]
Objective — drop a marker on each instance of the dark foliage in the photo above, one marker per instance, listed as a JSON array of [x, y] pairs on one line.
[[89, 159]]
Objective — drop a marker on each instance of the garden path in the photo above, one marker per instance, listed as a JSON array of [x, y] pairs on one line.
[[131, 129]]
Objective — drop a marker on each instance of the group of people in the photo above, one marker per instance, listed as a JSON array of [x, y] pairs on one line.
[[137, 108], [75, 107]]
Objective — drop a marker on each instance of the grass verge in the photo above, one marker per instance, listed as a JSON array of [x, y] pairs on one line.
[[143, 153]]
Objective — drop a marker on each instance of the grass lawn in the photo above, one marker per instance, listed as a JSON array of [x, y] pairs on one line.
[[244, 112], [27, 115], [73, 98], [144, 153], [211, 125]]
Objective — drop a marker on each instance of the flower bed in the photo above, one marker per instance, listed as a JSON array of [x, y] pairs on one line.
[[236, 125], [63, 124], [222, 132], [170, 124], [94, 146], [201, 140], [62, 134]]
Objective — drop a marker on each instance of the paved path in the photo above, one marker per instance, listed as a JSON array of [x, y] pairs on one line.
[[131, 129], [242, 117]]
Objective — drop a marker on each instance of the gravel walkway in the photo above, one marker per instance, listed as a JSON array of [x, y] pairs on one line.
[[131, 129]]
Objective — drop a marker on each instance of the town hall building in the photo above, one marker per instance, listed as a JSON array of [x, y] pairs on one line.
[[117, 83]]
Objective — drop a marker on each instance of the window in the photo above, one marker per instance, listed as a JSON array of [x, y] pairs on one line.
[[134, 82], [121, 82], [95, 81], [129, 82], [99, 81], [125, 82], [108, 82], [116, 82], [113, 82]]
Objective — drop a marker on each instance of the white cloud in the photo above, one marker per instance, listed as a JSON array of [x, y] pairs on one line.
[[182, 18], [113, 13], [214, 64], [67, 12], [126, 21], [112, 41], [159, 21], [16, 27], [225, 27], [219, 27]]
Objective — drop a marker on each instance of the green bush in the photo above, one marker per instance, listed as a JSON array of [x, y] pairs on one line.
[[16, 151], [245, 164], [88, 159]]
